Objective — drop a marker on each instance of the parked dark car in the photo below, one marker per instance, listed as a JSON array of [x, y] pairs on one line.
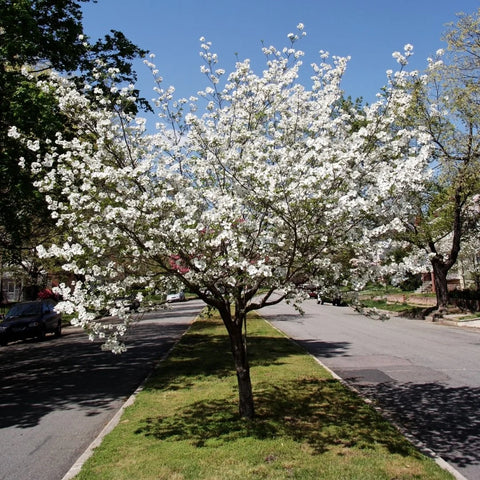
[[30, 320], [131, 302]]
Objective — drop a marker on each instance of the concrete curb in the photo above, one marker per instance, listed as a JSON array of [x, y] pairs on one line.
[[448, 320], [115, 420], [423, 449], [77, 466]]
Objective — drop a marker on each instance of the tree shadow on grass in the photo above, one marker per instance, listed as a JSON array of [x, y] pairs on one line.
[[203, 354], [320, 413]]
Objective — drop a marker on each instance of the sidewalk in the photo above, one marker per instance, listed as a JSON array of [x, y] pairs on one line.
[[453, 319]]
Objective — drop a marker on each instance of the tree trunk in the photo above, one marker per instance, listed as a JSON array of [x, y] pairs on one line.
[[440, 271], [242, 367], [245, 394], [441, 265]]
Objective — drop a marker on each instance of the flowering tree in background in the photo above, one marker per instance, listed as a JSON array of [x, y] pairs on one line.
[[272, 181], [446, 104]]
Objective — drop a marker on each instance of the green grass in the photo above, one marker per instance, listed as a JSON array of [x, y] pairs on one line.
[[374, 290], [405, 309], [473, 316], [420, 295], [384, 305], [184, 425]]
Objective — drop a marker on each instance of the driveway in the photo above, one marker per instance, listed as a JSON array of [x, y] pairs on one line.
[[57, 395], [424, 376]]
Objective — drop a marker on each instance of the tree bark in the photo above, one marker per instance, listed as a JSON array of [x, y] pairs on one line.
[[440, 271], [245, 394], [238, 345], [442, 266]]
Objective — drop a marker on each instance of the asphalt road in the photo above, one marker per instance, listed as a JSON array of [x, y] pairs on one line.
[[424, 376], [57, 395]]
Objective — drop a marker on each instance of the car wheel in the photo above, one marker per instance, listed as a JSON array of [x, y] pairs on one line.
[[41, 335], [58, 330]]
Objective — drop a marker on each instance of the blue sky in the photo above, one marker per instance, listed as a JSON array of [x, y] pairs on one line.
[[368, 31]]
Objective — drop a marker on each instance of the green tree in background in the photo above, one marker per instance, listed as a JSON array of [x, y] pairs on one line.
[[447, 104], [36, 36]]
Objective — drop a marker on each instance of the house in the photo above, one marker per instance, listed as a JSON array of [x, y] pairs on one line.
[[464, 275], [12, 288]]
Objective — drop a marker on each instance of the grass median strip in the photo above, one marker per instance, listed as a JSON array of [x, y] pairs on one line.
[[184, 425]]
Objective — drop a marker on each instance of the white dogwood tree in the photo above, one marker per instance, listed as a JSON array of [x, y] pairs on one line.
[[234, 201]]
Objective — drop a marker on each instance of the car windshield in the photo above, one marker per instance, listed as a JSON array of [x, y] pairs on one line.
[[24, 309]]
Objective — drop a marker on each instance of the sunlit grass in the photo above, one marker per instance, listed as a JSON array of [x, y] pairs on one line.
[[403, 309], [472, 316], [384, 305], [185, 425]]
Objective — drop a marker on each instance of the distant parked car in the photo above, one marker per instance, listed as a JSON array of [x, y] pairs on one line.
[[30, 320], [176, 297], [334, 300], [310, 288], [334, 296], [131, 302]]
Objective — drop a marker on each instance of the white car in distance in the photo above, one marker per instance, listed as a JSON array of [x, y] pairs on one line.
[[176, 297]]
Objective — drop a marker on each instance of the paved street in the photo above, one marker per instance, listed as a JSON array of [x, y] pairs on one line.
[[57, 395], [426, 376]]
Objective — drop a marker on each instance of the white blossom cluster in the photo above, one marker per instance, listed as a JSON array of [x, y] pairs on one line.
[[271, 181]]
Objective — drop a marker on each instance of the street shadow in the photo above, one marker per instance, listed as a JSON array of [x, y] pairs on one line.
[[172, 310], [444, 418], [71, 372], [318, 348]]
